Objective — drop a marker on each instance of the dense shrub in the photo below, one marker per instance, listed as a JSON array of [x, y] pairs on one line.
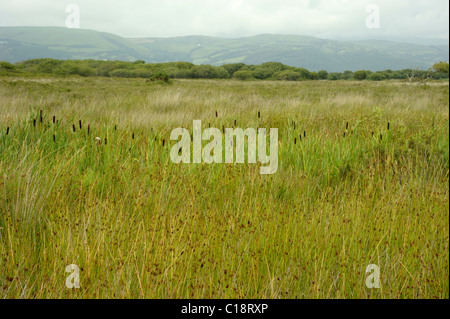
[[377, 77], [122, 73], [161, 77], [322, 74], [267, 70], [187, 70], [243, 75], [347, 75], [313, 76], [6, 66], [304, 73], [360, 75], [334, 76], [73, 68], [205, 71], [232, 68], [288, 75]]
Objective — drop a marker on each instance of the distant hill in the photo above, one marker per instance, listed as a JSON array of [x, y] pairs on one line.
[[22, 43], [311, 53]]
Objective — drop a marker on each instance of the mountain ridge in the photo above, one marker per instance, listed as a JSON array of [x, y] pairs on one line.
[[22, 43]]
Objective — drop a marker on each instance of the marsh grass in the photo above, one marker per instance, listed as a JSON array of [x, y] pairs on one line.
[[140, 226]]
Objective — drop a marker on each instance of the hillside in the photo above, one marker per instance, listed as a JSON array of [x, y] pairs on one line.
[[300, 51], [22, 43]]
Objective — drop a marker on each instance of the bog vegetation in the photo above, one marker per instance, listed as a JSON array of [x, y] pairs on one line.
[[86, 179]]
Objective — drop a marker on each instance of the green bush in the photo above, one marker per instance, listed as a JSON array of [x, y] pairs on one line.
[[334, 76], [304, 73], [442, 67], [288, 75], [360, 75], [161, 77], [6, 66], [187, 70], [123, 73], [347, 75], [243, 75], [47, 66], [313, 76], [322, 74], [377, 77], [73, 68], [233, 67], [205, 71], [267, 70]]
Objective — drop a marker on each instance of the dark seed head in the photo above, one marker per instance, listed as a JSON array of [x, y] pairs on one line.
[[295, 141], [54, 119], [389, 125], [259, 114], [346, 126], [79, 123], [73, 127], [7, 130], [34, 122]]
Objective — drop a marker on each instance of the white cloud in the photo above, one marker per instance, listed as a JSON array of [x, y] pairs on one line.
[[323, 18]]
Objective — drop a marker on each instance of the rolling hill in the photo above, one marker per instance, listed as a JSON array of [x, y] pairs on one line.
[[21, 43], [300, 51]]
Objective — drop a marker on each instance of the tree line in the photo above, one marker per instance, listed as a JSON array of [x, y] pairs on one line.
[[187, 70]]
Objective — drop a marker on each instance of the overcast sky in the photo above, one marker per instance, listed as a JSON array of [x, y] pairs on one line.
[[335, 19]]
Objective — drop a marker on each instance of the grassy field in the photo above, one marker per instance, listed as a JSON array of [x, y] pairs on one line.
[[349, 191]]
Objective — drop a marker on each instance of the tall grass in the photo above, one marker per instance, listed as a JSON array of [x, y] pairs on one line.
[[345, 195]]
